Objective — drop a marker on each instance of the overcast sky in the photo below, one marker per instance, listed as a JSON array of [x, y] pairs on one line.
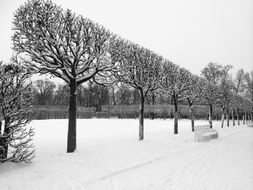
[[190, 33]]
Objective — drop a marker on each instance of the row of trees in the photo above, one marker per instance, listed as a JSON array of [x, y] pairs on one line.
[[48, 39], [225, 93], [46, 92], [156, 75]]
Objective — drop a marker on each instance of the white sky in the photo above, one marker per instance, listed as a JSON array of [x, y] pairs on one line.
[[191, 33]]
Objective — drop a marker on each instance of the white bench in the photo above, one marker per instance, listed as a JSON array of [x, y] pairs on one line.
[[250, 124], [204, 133]]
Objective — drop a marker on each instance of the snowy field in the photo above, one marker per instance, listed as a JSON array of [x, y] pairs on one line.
[[109, 156]]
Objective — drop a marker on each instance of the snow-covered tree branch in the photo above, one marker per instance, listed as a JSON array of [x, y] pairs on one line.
[[194, 94], [175, 84], [56, 41], [139, 68], [15, 114]]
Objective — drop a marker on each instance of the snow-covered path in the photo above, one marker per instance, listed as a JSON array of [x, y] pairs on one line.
[[219, 164], [109, 156]]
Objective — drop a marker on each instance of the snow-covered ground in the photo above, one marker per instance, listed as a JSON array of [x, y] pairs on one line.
[[109, 156]]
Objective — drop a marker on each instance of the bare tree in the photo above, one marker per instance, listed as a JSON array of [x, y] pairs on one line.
[[238, 105], [72, 48], [233, 107], [112, 91], [99, 96], [195, 92], [225, 100], [139, 68], [61, 95], [44, 91], [123, 94], [211, 95], [240, 88], [247, 105], [175, 84], [239, 81], [15, 114], [251, 111], [212, 72], [249, 85]]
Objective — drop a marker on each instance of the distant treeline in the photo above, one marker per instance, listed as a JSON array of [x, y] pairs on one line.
[[93, 95], [125, 111], [93, 100]]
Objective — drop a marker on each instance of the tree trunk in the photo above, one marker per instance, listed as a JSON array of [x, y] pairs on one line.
[[4, 140], [113, 97], [211, 115], [227, 117], [5, 144], [233, 117], [3, 148], [175, 115], [153, 99], [222, 117], [238, 118], [243, 118], [141, 115], [191, 114], [98, 107], [192, 118], [2, 143], [71, 146]]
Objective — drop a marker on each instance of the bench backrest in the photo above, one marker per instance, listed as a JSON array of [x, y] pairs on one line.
[[200, 129]]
